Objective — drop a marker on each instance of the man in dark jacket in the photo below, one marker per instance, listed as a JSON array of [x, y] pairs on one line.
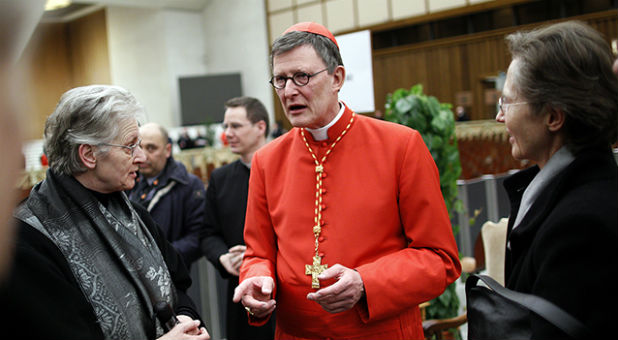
[[246, 129], [174, 197]]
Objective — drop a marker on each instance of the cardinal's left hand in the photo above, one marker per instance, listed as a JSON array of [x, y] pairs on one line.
[[343, 294]]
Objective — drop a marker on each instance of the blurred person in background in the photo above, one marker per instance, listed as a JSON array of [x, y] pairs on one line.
[[174, 197], [18, 20], [246, 128]]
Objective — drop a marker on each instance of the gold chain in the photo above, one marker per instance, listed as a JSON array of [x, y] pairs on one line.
[[319, 170]]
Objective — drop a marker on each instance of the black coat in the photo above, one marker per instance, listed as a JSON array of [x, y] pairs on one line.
[[564, 249], [224, 223], [43, 300]]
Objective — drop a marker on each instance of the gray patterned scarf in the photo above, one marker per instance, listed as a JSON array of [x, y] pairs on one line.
[[112, 254]]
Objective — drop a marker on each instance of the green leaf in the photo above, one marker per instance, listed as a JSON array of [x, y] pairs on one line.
[[439, 123], [417, 121], [417, 89], [403, 105]]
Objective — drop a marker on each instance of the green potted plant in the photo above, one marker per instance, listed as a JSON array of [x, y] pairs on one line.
[[436, 124]]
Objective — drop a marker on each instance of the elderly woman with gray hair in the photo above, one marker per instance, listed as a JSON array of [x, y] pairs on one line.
[[560, 108], [89, 264]]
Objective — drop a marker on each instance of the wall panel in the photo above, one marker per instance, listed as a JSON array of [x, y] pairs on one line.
[[46, 75], [61, 56], [448, 66], [87, 44]]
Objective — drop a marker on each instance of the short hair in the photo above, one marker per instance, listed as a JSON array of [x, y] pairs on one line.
[[324, 47], [165, 136], [255, 110], [86, 115], [568, 66]]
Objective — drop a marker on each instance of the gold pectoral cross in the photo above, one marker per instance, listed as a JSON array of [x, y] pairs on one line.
[[314, 270]]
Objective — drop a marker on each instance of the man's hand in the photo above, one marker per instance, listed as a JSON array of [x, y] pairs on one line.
[[343, 294], [256, 295], [232, 260]]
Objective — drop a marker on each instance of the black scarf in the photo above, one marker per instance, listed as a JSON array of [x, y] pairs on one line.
[[112, 254]]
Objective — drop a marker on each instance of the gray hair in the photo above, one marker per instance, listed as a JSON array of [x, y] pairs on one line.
[[568, 66], [324, 47], [86, 115]]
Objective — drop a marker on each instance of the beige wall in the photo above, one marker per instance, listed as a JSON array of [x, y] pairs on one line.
[[349, 15]]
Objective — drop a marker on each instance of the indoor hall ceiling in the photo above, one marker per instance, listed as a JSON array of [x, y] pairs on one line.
[[79, 8]]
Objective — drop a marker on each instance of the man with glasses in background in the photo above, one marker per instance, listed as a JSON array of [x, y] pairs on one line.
[[174, 197], [346, 228], [246, 128]]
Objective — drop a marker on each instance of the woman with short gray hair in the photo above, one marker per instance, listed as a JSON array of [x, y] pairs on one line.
[[86, 115], [89, 264]]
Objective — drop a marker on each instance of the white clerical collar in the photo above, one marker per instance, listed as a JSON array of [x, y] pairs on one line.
[[322, 133]]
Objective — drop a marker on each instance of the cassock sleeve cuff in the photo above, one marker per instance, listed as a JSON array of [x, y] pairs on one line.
[[362, 309], [256, 322]]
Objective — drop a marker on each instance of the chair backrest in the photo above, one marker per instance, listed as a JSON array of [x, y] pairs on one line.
[[494, 244]]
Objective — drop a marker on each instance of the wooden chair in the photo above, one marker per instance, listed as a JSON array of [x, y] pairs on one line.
[[434, 327], [493, 241], [494, 246]]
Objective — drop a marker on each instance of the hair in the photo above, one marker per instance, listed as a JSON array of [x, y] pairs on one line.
[[255, 110], [324, 47], [568, 66], [86, 115], [165, 136]]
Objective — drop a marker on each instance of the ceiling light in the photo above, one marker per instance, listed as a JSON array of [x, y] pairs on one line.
[[51, 5]]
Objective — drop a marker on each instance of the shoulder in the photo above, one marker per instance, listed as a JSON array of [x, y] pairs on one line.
[[282, 141], [34, 243], [584, 194], [178, 172], [384, 125], [226, 170], [375, 130], [593, 175], [590, 197], [273, 150]]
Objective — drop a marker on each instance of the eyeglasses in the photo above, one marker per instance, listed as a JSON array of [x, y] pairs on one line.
[[131, 147], [504, 106], [299, 78]]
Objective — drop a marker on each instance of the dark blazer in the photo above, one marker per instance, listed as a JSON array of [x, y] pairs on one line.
[[224, 223], [224, 217], [564, 249], [179, 211], [42, 299]]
